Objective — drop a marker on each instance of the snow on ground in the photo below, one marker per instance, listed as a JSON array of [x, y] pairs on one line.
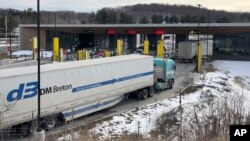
[[69, 137], [166, 114], [145, 119], [141, 120], [235, 68], [22, 53], [44, 54]]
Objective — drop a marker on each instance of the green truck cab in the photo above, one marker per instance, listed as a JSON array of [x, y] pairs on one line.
[[164, 73]]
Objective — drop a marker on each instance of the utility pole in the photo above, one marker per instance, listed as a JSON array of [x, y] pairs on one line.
[[10, 32], [207, 29], [6, 27], [39, 129]]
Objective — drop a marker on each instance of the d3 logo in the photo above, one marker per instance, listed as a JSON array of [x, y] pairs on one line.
[[239, 132]]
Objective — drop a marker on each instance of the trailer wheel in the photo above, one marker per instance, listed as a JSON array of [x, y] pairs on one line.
[[170, 85], [151, 91], [50, 122], [144, 94]]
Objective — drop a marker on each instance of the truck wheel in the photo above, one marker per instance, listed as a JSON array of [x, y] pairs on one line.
[[144, 94], [60, 119], [26, 130], [50, 122], [139, 95], [171, 82], [151, 91]]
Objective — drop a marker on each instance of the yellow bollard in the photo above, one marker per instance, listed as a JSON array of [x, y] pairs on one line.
[[61, 55], [199, 57], [160, 49], [34, 47], [119, 47], [87, 55], [55, 49], [146, 47], [107, 53], [84, 54], [80, 55]]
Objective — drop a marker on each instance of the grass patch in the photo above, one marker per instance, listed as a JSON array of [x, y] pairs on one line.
[[211, 68], [239, 81]]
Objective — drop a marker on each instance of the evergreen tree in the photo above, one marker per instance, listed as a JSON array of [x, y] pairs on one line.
[[202, 19], [125, 18], [91, 17], [112, 17], [2, 24], [188, 19], [157, 19], [174, 19], [224, 20], [154, 19], [101, 16], [144, 20], [160, 19], [166, 19], [182, 19]]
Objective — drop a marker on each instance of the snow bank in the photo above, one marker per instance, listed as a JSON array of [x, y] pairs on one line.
[[142, 120], [218, 85], [235, 68]]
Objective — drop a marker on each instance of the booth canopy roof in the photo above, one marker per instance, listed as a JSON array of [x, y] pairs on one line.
[[211, 28]]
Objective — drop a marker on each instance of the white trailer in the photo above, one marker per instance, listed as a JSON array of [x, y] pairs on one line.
[[187, 50], [70, 89], [207, 48]]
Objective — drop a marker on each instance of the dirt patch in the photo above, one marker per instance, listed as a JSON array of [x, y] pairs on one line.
[[3, 56], [191, 89], [168, 124], [211, 68]]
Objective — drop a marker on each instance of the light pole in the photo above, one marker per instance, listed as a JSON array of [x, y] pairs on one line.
[[6, 27], [199, 55], [55, 25], [39, 129], [198, 20]]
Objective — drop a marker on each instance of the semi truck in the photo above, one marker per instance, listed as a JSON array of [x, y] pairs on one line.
[[169, 44], [73, 89], [187, 50]]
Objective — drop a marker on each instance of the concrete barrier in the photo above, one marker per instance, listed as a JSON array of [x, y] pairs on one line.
[[39, 136], [193, 78]]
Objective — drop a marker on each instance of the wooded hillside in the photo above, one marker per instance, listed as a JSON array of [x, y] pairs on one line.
[[140, 13]]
